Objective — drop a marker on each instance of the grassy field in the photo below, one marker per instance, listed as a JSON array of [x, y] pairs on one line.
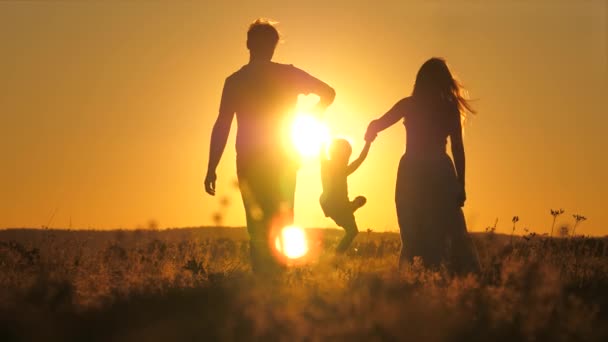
[[195, 284]]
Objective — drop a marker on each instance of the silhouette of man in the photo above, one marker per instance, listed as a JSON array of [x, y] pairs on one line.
[[263, 95]]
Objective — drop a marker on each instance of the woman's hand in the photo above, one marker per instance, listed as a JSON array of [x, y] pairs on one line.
[[396, 113], [372, 132]]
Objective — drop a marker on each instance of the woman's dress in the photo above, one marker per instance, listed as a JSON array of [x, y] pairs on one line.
[[427, 195]]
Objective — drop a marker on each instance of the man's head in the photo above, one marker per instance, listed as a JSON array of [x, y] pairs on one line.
[[262, 39]]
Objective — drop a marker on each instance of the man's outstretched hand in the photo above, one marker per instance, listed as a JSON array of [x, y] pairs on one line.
[[210, 183]]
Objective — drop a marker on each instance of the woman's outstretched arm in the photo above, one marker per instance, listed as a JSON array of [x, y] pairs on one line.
[[388, 119], [458, 155]]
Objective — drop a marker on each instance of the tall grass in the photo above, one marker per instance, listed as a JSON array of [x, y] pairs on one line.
[[195, 284]]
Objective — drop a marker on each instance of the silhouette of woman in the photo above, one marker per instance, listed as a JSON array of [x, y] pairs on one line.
[[429, 192]]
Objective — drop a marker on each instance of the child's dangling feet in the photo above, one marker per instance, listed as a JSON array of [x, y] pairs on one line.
[[358, 202]]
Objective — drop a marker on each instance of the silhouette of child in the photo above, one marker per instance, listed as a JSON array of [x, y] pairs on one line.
[[334, 199]]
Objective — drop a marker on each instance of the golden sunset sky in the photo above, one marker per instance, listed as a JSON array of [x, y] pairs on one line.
[[106, 108]]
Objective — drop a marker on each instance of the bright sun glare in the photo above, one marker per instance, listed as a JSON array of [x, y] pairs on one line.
[[308, 134], [292, 242]]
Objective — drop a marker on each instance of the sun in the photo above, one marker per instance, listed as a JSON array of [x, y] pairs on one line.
[[292, 242], [308, 134]]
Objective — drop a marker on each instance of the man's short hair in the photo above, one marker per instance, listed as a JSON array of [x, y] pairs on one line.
[[262, 35]]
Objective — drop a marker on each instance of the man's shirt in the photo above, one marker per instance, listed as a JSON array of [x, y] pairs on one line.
[[264, 96]]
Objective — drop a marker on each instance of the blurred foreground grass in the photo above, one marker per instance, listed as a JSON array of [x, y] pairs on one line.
[[195, 284]]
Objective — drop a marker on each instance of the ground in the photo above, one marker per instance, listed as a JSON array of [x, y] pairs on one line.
[[195, 284]]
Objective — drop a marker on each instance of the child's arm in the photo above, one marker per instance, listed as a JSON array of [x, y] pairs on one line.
[[357, 162]]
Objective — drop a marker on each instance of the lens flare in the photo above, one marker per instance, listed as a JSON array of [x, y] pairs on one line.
[[292, 242], [308, 134]]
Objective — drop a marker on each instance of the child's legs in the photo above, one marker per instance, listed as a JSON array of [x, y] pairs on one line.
[[350, 226], [357, 203]]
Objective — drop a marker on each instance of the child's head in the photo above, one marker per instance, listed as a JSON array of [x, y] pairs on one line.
[[340, 150]]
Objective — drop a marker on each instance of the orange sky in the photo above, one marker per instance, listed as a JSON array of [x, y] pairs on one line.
[[107, 107]]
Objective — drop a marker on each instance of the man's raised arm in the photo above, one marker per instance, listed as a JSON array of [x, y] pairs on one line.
[[219, 136], [327, 95], [308, 84]]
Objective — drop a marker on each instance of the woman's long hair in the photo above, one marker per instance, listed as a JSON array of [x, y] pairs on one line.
[[436, 85]]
